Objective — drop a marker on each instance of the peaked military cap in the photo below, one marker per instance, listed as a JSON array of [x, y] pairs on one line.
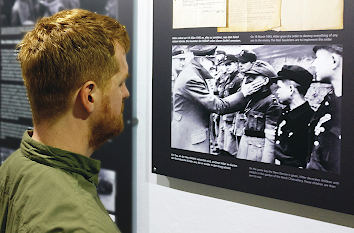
[[246, 56], [177, 52], [203, 50], [230, 58], [220, 52], [262, 68]]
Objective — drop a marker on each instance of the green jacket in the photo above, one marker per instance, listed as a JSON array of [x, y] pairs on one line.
[[46, 189]]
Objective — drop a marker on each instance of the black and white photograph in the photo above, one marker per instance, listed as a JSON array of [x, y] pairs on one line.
[[276, 104], [258, 110], [107, 189], [26, 12]]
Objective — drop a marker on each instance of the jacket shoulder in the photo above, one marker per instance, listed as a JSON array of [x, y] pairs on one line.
[[45, 199]]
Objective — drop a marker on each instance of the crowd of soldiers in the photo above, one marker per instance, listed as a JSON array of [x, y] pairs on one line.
[[238, 105]]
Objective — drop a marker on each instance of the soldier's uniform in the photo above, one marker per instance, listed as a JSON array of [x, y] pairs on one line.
[[193, 103], [176, 54], [291, 142], [262, 113], [240, 118], [325, 135], [325, 127], [228, 85]]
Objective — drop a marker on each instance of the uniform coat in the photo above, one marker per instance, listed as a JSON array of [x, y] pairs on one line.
[[226, 139], [257, 144], [325, 135], [192, 105], [291, 143]]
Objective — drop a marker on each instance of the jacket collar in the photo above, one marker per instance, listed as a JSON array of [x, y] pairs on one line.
[[259, 95], [202, 71], [298, 111], [57, 158]]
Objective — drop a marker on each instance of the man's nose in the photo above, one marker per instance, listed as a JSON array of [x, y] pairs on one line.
[[126, 92]]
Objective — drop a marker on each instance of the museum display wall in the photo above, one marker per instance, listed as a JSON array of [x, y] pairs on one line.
[[167, 204]]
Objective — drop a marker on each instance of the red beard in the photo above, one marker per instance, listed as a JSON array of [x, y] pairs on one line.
[[106, 126]]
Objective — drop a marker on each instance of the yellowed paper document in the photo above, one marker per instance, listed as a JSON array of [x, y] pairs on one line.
[[299, 15], [199, 13], [252, 15], [283, 15]]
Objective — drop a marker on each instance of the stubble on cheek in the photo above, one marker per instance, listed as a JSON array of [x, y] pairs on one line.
[[106, 126]]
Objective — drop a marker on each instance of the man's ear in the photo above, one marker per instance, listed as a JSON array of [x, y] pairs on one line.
[[88, 96], [335, 61]]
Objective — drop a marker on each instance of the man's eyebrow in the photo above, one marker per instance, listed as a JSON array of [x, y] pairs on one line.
[[125, 77]]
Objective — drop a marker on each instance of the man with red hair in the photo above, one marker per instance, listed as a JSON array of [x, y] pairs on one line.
[[74, 68]]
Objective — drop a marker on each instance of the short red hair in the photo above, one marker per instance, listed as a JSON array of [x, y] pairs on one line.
[[63, 52]]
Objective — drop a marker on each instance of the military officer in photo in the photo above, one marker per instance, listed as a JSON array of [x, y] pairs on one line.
[[179, 57], [246, 59], [178, 61], [231, 83], [325, 134], [220, 74], [193, 102], [220, 57], [291, 143]]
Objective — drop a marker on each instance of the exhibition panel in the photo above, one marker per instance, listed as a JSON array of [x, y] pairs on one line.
[[254, 96]]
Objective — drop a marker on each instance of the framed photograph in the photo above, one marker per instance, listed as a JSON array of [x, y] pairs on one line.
[[259, 110]]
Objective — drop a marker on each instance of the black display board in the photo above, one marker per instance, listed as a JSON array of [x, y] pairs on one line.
[[17, 17], [310, 187]]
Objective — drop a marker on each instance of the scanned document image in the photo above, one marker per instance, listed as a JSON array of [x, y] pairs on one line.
[[302, 15], [252, 15], [283, 15], [199, 13]]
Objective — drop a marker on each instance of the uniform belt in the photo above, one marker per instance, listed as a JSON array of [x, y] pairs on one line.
[[257, 134]]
